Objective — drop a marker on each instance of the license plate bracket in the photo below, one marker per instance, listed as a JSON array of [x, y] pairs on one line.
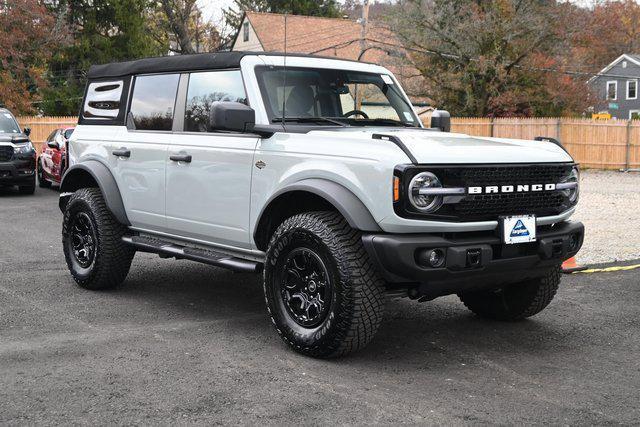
[[518, 229]]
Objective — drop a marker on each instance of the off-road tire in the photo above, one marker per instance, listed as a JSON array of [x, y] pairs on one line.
[[42, 181], [112, 258], [516, 301], [29, 188], [357, 290]]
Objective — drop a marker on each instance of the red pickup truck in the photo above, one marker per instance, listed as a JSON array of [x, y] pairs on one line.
[[52, 161]]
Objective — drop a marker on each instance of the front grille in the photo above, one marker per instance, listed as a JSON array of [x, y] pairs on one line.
[[6, 153], [484, 207], [490, 206]]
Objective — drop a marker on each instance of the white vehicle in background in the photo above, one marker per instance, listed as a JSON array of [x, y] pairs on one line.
[[319, 174]]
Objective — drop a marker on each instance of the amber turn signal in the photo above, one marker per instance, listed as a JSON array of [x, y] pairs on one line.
[[396, 188]]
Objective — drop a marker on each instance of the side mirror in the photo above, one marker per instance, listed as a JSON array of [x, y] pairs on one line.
[[27, 131], [441, 119], [231, 116]]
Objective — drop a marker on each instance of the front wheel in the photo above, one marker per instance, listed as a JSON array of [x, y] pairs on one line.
[[323, 295], [28, 188], [42, 181], [92, 242], [516, 301]]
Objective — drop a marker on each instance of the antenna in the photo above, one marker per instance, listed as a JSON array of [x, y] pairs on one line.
[[284, 78]]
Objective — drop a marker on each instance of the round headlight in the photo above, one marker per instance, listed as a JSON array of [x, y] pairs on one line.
[[424, 202], [572, 193]]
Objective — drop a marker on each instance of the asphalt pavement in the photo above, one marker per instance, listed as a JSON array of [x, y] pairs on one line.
[[184, 343]]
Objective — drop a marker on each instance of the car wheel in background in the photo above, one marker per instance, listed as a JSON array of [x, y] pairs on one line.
[[29, 188], [42, 181]]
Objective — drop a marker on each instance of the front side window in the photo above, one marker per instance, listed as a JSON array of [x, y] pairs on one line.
[[329, 95], [8, 124], [632, 89], [153, 101], [612, 89], [206, 88]]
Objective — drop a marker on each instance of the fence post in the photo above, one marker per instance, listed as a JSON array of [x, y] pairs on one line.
[[558, 125], [627, 159], [491, 127]]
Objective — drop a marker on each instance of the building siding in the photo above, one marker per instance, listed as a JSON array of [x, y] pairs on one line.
[[251, 45], [625, 106]]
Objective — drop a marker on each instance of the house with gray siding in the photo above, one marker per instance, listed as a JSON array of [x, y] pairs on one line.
[[616, 87]]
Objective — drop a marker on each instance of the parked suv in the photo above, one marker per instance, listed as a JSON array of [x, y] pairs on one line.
[[17, 155], [52, 161], [318, 174]]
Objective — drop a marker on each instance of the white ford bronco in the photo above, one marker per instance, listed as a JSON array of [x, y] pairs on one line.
[[318, 174]]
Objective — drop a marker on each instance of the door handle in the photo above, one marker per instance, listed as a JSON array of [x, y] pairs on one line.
[[181, 158], [122, 152]]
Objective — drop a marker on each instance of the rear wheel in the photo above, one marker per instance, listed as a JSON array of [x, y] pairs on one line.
[[323, 295], [516, 301], [92, 242], [42, 181]]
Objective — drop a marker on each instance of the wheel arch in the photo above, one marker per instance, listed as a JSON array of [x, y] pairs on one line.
[[311, 194], [92, 173]]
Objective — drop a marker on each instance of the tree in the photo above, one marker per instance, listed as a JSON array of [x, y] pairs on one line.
[[182, 21], [233, 15], [482, 57], [99, 31], [27, 40]]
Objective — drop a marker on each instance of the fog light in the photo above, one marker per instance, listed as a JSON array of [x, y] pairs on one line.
[[436, 258], [574, 241]]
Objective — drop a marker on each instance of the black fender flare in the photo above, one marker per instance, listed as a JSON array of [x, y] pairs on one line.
[[347, 203], [77, 176]]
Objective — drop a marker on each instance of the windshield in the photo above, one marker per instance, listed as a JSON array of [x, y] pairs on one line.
[[8, 124], [329, 96]]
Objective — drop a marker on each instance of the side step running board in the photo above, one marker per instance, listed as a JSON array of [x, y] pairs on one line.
[[172, 250]]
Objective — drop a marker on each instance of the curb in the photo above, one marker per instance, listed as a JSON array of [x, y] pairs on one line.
[[608, 267]]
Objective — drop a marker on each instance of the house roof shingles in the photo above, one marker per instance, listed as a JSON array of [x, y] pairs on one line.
[[336, 37]]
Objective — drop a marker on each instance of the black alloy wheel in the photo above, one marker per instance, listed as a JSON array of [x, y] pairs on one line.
[[83, 239], [305, 287]]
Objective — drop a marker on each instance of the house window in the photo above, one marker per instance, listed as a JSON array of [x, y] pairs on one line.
[[245, 32], [632, 89], [634, 115], [612, 91]]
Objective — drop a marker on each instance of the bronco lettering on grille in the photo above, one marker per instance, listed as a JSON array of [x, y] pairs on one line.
[[522, 188]]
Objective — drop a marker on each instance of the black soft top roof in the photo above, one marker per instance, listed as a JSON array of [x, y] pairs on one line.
[[163, 64]]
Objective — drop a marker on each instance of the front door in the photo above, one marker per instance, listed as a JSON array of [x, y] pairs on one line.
[[209, 174]]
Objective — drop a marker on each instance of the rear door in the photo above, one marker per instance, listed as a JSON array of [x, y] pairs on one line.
[[209, 174]]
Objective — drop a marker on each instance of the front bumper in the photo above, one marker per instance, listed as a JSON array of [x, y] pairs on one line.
[[473, 260], [17, 171]]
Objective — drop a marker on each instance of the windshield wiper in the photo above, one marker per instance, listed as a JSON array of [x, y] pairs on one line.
[[384, 121], [308, 120]]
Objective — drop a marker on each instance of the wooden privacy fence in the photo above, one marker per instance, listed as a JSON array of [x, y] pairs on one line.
[[41, 127], [601, 144]]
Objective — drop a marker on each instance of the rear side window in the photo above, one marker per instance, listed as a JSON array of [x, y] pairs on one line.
[[206, 88], [102, 101], [153, 101]]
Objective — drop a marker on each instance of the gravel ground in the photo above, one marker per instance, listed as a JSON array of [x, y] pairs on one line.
[[183, 343], [609, 207]]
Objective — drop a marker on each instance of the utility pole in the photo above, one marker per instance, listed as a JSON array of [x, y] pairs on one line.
[[363, 48], [363, 31]]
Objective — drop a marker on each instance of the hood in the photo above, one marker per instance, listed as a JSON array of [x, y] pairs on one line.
[[14, 138], [434, 147]]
